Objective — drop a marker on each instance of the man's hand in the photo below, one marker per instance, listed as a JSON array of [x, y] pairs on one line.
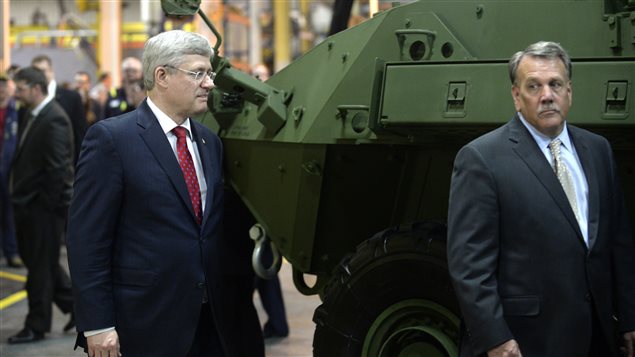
[[629, 344], [507, 349], [105, 344]]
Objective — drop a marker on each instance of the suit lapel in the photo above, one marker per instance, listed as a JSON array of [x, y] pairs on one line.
[[154, 137], [525, 147], [208, 171], [31, 127], [584, 154]]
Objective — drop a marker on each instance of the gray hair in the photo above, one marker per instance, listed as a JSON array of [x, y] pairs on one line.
[[542, 49], [131, 62], [168, 48]]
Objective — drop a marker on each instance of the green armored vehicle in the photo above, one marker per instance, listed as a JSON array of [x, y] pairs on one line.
[[345, 156]]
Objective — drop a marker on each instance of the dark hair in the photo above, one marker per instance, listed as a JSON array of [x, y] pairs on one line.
[[104, 76], [542, 49], [40, 58], [33, 77], [84, 73], [11, 70]]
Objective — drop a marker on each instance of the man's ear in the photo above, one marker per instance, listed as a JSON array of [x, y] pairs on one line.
[[161, 77], [516, 97]]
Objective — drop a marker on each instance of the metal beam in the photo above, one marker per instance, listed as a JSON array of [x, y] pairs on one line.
[[109, 19]]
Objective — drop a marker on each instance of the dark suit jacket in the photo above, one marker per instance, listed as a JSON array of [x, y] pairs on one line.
[[516, 254], [42, 169], [138, 259], [71, 101]]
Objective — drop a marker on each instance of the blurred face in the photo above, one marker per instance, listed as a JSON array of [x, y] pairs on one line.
[[45, 67], [82, 82], [26, 94], [261, 72], [132, 71], [187, 95], [542, 93], [137, 95]]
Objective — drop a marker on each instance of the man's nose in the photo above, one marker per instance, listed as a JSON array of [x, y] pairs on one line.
[[207, 82], [546, 94]]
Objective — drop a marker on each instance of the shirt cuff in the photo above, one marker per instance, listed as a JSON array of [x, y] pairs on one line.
[[97, 332]]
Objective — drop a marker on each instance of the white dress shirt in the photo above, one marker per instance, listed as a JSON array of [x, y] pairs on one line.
[[572, 162]]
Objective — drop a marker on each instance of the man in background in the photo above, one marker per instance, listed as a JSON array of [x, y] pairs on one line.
[[41, 188], [100, 91], [269, 290], [70, 101], [120, 100], [92, 108]]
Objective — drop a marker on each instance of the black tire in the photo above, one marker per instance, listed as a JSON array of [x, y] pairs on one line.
[[393, 268]]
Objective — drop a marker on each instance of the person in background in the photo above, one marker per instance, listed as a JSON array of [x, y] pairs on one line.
[[119, 99], [137, 93], [261, 72], [540, 250], [152, 270], [70, 101], [100, 91], [91, 106], [8, 142], [269, 290], [40, 185]]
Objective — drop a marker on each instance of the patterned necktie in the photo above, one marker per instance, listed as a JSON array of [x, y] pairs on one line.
[[564, 176], [187, 166]]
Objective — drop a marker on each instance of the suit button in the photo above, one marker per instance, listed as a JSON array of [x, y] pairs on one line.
[[587, 297], [200, 285]]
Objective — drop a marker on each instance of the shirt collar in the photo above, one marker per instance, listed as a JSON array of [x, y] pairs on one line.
[[167, 124], [36, 111], [52, 88], [543, 140]]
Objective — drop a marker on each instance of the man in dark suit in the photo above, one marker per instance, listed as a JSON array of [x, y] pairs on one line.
[[539, 245], [41, 188], [152, 274], [70, 100]]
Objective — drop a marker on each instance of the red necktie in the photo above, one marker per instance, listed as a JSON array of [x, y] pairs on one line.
[[187, 166]]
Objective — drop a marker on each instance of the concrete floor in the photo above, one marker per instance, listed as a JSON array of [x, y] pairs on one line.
[[58, 344]]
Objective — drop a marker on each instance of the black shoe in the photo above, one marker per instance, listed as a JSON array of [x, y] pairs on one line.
[[25, 336], [15, 262], [70, 324]]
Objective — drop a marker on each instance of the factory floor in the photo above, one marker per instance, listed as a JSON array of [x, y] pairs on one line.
[[13, 309]]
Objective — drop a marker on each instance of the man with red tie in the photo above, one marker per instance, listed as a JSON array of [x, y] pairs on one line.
[[150, 268]]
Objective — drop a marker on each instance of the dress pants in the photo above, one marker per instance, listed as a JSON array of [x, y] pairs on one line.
[[206, 341], [270, 293], [7, 232], [38, 232]]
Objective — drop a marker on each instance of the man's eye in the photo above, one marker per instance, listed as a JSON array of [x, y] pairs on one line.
[[532, 87]]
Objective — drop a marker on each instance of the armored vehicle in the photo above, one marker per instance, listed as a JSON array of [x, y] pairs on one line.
[[344, 157]]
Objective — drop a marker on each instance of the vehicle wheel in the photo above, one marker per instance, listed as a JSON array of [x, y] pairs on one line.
[[393, 297]]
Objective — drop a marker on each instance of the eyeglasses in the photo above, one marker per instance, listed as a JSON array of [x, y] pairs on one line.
[[198, 75]]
